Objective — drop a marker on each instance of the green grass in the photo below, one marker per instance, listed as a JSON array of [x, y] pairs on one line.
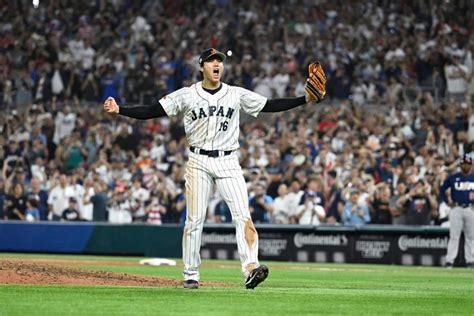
[[291, 289]]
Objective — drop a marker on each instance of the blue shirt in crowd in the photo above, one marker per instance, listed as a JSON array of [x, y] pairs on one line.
[[353, 218], [33, 212], [42, 197], [260, 214]]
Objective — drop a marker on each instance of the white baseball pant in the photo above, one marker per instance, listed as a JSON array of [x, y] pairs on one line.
[[202, 172]]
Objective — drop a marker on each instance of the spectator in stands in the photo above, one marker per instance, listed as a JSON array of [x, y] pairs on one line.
[[119, 208], [99, 202], [74, 152], [41, 197], [155, 209], [139, 195], [19, 175], [13, 159], [282, 211], [314, 191], [334, 202], [15, 203], [274, 174], [178, 208], [311, 208], [261, 205], [87, 207], [354, 213], [71, 213], [65, 123], [58, 199], [396, 209], [294, 198], [420, 204], [380, 206], [222, 212], [456, 76], [309, 212], [78, 191], [32, 213]]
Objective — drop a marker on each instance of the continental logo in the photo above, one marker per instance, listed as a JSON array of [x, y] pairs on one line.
[[406, 242], [301, 240]]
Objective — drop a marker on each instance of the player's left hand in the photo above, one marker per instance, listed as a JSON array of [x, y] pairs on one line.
[[316, 83]]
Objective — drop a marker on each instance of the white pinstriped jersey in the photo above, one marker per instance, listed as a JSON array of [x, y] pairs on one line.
[[211, 121]]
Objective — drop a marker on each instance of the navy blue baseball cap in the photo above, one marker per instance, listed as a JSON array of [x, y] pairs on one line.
[[467, 159], [210, 52]]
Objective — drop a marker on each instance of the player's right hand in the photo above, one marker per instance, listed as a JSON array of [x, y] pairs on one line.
[[110, 106]]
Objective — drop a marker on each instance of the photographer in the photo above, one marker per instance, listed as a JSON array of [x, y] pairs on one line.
[[13, 159], [119, 206], [456, 76], [311, 210], [353, 213], [420, 204], [261, 205], [380, 205], [310, 213]]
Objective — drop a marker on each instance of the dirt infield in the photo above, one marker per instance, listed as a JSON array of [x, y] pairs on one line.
[[48, 272]]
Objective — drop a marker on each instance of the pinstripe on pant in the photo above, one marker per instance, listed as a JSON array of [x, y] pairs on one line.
[[202, 172]]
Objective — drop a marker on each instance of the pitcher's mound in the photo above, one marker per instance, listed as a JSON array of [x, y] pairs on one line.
[[25, 272]]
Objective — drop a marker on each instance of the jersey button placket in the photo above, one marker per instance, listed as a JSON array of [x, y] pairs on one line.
[[212, 127]]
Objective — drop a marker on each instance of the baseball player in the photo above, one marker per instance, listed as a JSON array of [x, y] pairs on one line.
[[461, 201], [210, 110]]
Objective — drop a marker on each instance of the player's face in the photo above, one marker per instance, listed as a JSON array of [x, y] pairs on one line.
[[212, 70], [466, 167]]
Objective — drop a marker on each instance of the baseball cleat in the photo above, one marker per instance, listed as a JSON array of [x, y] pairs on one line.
[[257, 276], [191, 284], [448, 265], [470, 265]]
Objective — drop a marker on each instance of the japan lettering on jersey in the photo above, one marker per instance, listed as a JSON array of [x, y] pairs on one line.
[[211, 121]]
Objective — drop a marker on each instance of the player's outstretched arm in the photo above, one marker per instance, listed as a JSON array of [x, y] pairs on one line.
[[141, 112], [279, 105]]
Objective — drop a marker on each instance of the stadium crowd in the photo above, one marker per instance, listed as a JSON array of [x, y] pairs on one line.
[[399, 111]]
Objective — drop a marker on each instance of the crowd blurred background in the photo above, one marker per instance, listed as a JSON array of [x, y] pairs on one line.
[[399, 111]]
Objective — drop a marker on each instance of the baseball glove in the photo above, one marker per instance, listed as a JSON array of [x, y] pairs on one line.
[[316, 82]]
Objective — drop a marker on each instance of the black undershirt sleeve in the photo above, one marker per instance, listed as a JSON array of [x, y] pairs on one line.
[[143, 112], [279, 105]]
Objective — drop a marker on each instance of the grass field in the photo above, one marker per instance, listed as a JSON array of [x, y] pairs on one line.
[[291, 289]]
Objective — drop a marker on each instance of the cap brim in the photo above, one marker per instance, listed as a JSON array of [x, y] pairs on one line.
[[221, 55]]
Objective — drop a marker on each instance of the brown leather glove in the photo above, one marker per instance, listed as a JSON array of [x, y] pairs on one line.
[[316, 82]]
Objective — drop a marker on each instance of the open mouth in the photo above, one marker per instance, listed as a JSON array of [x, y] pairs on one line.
[[216, 71]]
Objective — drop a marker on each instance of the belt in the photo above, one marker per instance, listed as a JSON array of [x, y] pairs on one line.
[[465, 205], [210, 153]]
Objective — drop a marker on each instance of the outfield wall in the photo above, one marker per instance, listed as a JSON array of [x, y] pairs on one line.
[[407, 245]]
